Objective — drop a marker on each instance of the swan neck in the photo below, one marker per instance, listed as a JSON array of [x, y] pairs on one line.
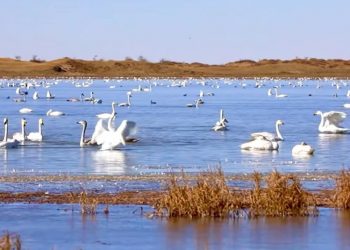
[[278, 132], [6, 132], [110, 123], [40, 129], [129, 100], [321, 122], [23, 132], [82, 135]]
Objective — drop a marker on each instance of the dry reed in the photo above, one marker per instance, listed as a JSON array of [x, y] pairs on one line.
[[342, 190], [208, 197], [10, 242], [88, 204], [282, 196]]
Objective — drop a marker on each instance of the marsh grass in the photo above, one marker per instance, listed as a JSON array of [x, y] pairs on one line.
[[208, 196], [88, 204], [342, 190], [10, 242], [280, 195]]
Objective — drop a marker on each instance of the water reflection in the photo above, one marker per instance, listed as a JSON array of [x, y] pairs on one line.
[[109, 162]]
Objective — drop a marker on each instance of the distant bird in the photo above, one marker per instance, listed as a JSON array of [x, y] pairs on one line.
[[221, 124], [8, 143], [302, 149], [50, 112], [153, 102], [25, 110], [277, 95], [73, 99], [128, 103], [36, 95], [37, 136], [49, 95]]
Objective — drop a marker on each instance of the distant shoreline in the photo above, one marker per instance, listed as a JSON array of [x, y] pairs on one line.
[[76, 68]]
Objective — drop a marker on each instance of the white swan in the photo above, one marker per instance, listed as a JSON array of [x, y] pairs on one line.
[[128, 103], [84, 141], [21, 136], [193, 105], [36, 95], [330, 122], [269, 92], [50, 112], [49, 95], [260, 143], [279, 95], [221, 124], [348, 93], [8, 143], [107, 115], [347, 105], [25, 110], [270, 136], [302, 150], [74, 99], [37, 136]]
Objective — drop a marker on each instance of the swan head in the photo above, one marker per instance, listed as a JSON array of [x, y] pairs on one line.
[[129, 93], [6, 120], [82, 122], [24, 122], [41, 121], [279, 122], [318, 113]]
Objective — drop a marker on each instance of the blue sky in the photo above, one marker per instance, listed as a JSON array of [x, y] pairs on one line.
[[183, 30]]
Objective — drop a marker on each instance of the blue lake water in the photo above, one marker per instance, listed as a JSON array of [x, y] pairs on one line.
[[173, 136], [42, 226]]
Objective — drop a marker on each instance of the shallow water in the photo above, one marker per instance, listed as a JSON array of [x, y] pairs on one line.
[[60, 227], [172, 136]]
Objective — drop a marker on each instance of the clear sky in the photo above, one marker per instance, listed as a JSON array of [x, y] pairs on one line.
[[208, 31]]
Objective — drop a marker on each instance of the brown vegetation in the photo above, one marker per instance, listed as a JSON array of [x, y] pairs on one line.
[[67, 67], [342, 190], [10, 242]]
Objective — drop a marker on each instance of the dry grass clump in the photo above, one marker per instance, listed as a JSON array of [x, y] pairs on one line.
[[209, 196], [282, 196], [10, 242], [88, 204], [342, 190]]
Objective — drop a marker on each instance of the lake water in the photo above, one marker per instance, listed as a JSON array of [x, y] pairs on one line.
[[173, 136], [125, 228]]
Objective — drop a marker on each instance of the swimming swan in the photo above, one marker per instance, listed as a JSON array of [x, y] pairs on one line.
[[270, 136], [50, 112], [302, 149], [279, 95], [221, 124], [260, 143], [25, 110], [8, 143], [21, 136], [128, 103], [84, 141], [330, 122], [37, 136]]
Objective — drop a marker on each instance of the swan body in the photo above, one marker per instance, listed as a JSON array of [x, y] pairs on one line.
[[50, 112], [36, 95], [260, 143], [8, 143], [279, 95], [193, 105], [107, 115], [76, 99], [49, 95], [347, 105], [330, 122], [113, 139], [21, 136], [269, 92], [36, 136], [221, 124], [270, 136], [302, 149], [25, 110]]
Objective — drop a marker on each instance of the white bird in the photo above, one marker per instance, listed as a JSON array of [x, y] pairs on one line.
[[193, 105], [221, 124], [302, 150], [37, 136], [348, 93], [330, 122], [36, 95], [49, 95], [260, 143], [25, 110], [347, 105], [21, 136], [50, 112], [269, 92], [271, 136], [128, 103], [84, 141], [107, 115], [74, 99], [8, 143], [279, 95]]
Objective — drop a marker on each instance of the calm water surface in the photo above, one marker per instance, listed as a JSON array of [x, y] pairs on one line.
[[126, 228], [172, 136]]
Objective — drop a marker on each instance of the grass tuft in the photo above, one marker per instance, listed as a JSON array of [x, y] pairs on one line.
[[282, 196], [209, 196], [342, 190], [88, 204], [10, 242]]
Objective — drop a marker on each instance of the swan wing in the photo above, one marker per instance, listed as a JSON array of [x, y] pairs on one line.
[[267, 135], [334, 117], [126, 128], [99, 131]]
